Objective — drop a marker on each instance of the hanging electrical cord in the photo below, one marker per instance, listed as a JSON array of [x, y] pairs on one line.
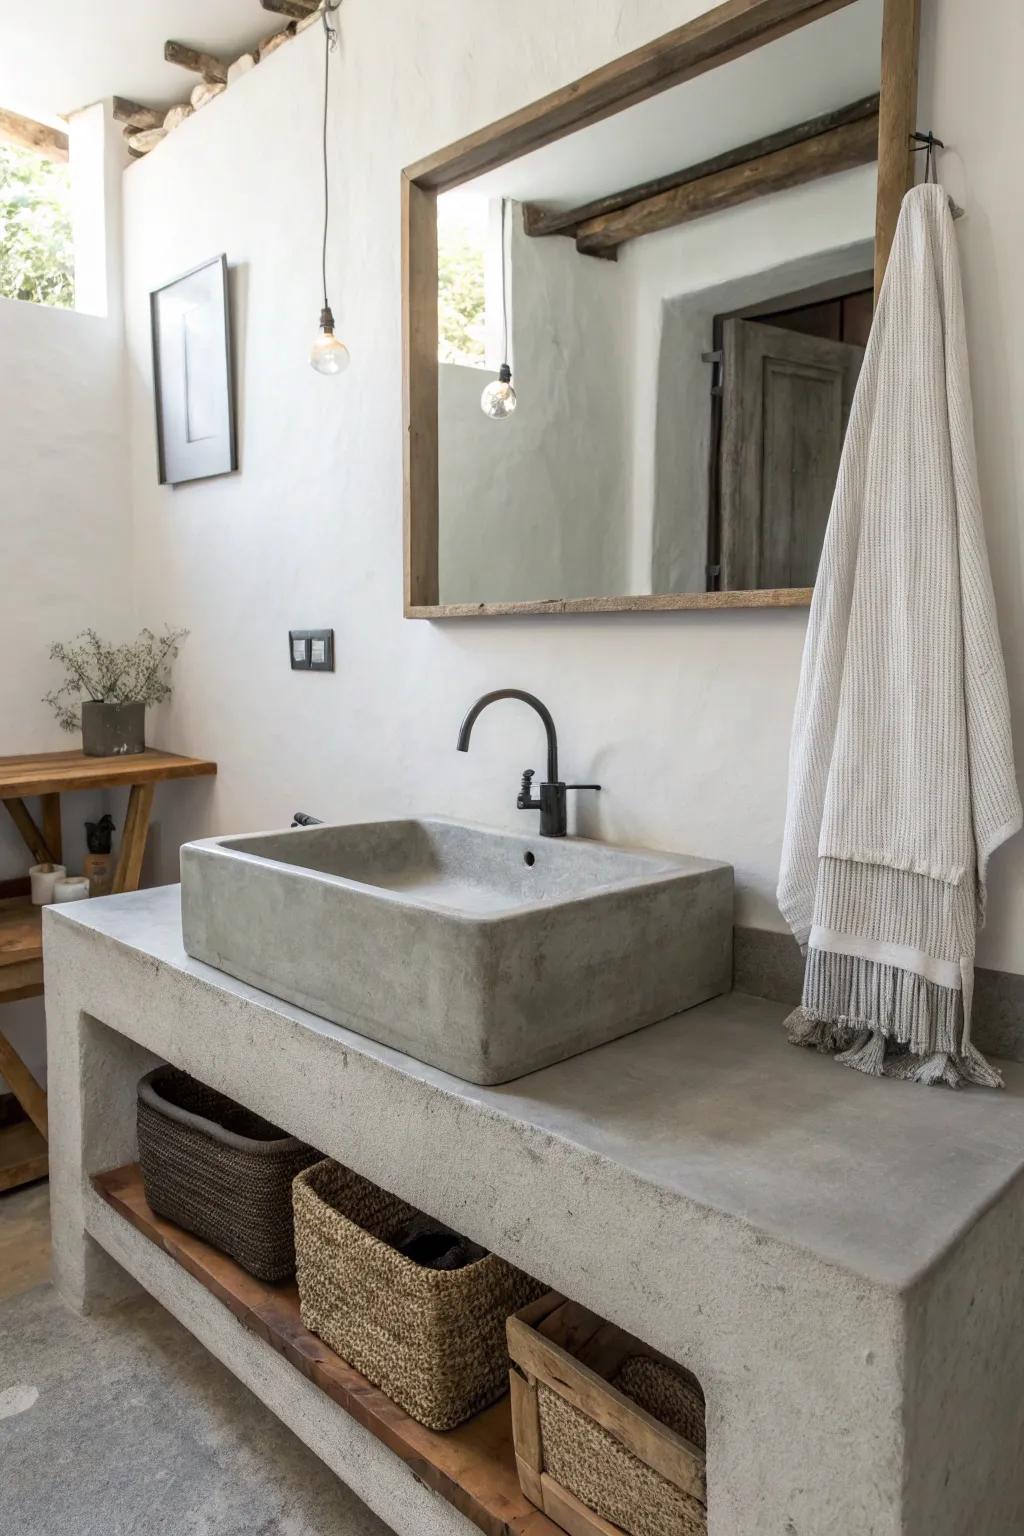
[[499, 399], [328, 355]]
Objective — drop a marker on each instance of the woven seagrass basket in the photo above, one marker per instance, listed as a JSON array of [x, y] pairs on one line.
[[607, 1431], [220, 1171], [433, 1340]]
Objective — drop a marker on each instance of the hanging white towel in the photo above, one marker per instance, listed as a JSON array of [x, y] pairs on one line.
[[901, 776]]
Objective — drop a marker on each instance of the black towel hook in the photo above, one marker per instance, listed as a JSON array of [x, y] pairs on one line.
[[929, 143]]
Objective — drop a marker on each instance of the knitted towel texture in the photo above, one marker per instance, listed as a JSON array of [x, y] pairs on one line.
[[901, 775]]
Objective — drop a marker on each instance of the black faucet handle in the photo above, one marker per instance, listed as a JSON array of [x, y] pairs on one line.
[[525, 800], [583, 786]]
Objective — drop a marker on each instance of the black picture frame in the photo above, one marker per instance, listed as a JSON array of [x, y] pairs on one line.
[[193, 380]]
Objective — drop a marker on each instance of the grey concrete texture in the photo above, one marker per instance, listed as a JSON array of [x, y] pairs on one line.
[[768, 964], [780, 1225], [123, 1425], [965, 1357], [487, 954]]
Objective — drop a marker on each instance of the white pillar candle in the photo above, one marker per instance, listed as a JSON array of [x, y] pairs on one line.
[[71, 888], [43, 878]]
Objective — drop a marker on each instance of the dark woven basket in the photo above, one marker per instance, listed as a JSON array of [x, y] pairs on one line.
[[220, 1171], [433, 1340]]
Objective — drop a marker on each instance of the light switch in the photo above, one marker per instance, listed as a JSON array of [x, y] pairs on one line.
[[312, 650]]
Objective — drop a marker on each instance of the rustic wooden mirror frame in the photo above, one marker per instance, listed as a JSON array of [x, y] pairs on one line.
[[730, 30]]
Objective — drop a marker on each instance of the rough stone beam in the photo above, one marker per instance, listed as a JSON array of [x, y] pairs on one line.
[[28, 134], [213, 70], [298, 10], [133, 115]]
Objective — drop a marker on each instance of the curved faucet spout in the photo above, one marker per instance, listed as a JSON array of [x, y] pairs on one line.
[[466, 729]]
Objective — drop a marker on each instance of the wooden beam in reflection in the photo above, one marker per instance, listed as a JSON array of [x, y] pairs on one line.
[[565, 221], [840, 149]]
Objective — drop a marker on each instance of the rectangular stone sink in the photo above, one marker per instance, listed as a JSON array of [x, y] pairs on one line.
[[487, 954]]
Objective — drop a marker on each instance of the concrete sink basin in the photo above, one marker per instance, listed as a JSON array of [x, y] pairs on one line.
[[487, 954]]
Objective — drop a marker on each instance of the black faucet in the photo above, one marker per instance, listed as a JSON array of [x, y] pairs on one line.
[[551, 802]]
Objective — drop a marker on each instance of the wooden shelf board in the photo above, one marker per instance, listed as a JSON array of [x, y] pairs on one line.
[[473, 1467], [23, 1155], [51, 773], [21, 931]]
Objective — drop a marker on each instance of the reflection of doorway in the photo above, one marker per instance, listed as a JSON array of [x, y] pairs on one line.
[[784, 384]]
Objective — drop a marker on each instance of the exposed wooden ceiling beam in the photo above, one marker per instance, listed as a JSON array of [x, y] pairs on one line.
[[840, 149], [28, 134], [213, 70], [730, 30], [133, 115], [298, 10], [551, 221]]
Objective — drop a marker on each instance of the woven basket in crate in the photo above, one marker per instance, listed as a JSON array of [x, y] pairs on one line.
[[220, 1171], [433, 1340], [609, 1434]]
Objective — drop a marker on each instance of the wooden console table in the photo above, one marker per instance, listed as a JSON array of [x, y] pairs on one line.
[[23, 1154]]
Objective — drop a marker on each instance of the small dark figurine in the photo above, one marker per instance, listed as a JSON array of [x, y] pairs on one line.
[[98, 834]]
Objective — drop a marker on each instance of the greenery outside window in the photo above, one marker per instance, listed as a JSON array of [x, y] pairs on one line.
[[462, 224], [36, 242]]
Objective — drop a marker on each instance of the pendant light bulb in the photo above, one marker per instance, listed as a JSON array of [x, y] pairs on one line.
[[328, 355], [499, 398]]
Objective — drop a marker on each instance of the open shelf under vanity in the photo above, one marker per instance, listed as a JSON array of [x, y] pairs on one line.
[[472, 1467], [676, 1183]]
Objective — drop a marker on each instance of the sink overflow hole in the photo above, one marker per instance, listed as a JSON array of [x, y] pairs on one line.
[[529, 858]]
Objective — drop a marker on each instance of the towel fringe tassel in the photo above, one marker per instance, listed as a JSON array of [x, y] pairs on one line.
[[878, 1055], [867, 1054]]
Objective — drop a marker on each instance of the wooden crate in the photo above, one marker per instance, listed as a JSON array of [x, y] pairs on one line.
[[559, 1346]]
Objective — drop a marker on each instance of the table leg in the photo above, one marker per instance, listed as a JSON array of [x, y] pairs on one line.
[[23, 1154], [34, 840], [23, 1085], [52, 834], [133, 838]]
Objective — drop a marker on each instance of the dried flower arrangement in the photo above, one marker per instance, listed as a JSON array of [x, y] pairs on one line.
[[134, 672]]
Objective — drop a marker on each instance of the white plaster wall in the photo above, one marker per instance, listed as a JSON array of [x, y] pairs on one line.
[[757, 249], [538, 505], [685, 719], [64, 490]]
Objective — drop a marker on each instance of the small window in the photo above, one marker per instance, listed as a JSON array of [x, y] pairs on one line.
[[36, 244], [462, 235]]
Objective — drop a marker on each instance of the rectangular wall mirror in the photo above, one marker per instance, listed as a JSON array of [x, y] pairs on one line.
[[676, 259]]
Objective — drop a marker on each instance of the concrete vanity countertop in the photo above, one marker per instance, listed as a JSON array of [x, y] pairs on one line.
[[837, 1258]]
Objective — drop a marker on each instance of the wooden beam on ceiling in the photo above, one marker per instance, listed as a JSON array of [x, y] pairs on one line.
[[214, 71], [840, 149], [552, 221], [28, 134], [298, 10], [134, 115], [730, 30]]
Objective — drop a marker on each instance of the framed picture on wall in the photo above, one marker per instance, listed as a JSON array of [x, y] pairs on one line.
[[193, 386]]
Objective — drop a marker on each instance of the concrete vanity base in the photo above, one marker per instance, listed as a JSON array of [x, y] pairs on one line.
[[837, 1258]]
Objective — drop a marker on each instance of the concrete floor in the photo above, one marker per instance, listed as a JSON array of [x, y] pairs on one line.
[[123, 1425]]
